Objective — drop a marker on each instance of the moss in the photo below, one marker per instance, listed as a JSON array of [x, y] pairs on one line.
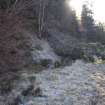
[[57, 64], [34, 67], [7, 83], [45, 62], [87, 58], [32, 79], [37, 48], [103, 57], [6, 87], [99, 50]]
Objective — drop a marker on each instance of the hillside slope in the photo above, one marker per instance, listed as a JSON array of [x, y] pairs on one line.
[[79, 84]]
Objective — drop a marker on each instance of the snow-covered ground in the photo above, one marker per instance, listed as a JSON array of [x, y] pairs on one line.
[[79, 84]]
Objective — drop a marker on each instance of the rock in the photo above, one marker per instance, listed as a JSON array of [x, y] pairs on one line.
[[28, 91], [16, 101], [68, 101], [45, 56], [57, 64], [94, 100], [46, 63], [37, 92], [31, 90]]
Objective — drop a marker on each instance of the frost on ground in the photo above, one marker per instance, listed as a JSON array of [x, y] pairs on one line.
[[79, 84]]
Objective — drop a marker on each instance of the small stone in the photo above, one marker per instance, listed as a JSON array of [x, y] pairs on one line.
[[37, 92], [68, 101], [28, 90]]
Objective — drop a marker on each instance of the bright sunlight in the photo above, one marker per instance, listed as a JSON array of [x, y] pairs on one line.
[[98, 6]]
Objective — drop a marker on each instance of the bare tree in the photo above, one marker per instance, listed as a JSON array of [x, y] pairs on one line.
[[41, 17]]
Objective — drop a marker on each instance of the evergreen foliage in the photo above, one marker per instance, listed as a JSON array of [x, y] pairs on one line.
[[88, 23]]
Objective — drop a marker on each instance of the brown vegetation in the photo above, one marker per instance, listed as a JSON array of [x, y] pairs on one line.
[[12, 41]]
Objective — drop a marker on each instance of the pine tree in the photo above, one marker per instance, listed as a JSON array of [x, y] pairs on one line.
[[88, 22], [5, 4]]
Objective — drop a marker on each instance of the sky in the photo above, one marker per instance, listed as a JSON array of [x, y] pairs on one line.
[[98, 7]]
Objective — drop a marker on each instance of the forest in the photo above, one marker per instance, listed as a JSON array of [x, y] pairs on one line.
[[49, 56]]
